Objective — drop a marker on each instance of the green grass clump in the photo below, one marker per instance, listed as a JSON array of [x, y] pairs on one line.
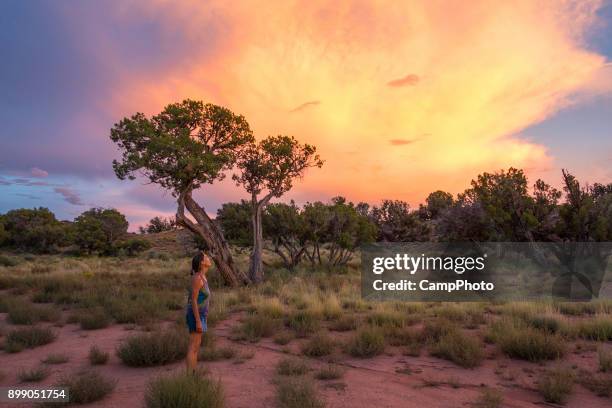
[[27, 337], [97, 356], [56, 359], [184, 391], [319, 345], [605, 360], [86, 386], [93, 319], [344, 323], [8, 261], [330, 372], [33, 375], [577, 308], [20, 312], [216, 353], [297, 393], [256, 326], [367, 342], [387, 319], [291, 367], [545, 323], [459, 348], [556, 385], [526, 343], [599, 329], [434, 330], [303, 322], [152, 349]]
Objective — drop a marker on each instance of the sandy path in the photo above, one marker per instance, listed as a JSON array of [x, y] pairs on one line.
[[367, 382]]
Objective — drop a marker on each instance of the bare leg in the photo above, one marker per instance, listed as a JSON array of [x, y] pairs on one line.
[[195, 339]]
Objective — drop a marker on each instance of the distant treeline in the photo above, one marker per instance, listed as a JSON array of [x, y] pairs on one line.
[[497, 207], [98, 230]]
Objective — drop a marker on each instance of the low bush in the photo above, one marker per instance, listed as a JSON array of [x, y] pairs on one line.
[[27, 337], [319, 345], [256, 326], [344, 323], [489, 399], [86, 386], [291, 367], [216, 353], [599, 329], [152, 349], [20, 312], [93, 319], [367, 342], [297, 393], [97, 356], [33, 375], [303, 322], [526, 343], [184, 391], [283, 337], [459, 348], [330, 372], [56, 359], [556, 385]]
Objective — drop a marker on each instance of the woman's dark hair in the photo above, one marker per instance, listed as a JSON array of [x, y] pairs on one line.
[[196, 262]]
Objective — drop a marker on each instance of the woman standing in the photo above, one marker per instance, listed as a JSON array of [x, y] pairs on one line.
[[197, 307]]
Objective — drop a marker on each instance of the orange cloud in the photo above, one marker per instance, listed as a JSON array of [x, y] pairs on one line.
[[492, 70]]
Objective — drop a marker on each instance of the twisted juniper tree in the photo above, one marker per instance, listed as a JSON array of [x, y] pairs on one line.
[[268, 168], [187, 145]]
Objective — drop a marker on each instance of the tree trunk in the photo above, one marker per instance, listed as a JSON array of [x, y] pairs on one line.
[[212, 236], [256, 265]]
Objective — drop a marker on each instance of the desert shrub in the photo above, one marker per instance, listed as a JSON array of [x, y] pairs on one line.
[[131, 307], [8, 261], [56, 359], [256, 326], [599, 329], [184, 391], [86, 386], [33, 375], [526, 343], [319, 345], [283, 337], [216, 353], [152, 349], [546, 323], [27, 337], [291, 366], [489, 399], [20, 312], [401, 336], [97, 356], [93, 319], [367, 342], [462, 350], [270, 308], [556, 385], [297, 393], [330, 372], [434, 330], [605, 360], [131, 247], [387, 318], [303, 322], [577, 308], [344, 323]]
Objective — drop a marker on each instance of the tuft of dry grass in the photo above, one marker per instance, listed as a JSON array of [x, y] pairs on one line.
[[459, 348], [97, 356], [56, 359], [489, 399], [27, 337], [152, 349], [86, 386], [33, 375], [556, 385], [297, 393], [291, 366], [330, 372], [319, 345], [184, 390], [367, 342]]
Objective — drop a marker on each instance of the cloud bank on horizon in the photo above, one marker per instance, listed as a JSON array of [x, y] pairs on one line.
[[363, 81]]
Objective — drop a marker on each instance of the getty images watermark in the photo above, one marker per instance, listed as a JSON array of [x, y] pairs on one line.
[[487, 271]]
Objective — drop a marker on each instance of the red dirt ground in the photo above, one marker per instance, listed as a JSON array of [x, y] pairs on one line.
[[423, 381]]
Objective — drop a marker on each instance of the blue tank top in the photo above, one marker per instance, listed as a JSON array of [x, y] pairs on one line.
[[203, 298]]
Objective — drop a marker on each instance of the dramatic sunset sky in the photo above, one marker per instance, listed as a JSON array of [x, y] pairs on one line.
[[400, 97]]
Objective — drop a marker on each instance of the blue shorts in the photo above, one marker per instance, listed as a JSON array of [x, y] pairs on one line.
[[191, 322]]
